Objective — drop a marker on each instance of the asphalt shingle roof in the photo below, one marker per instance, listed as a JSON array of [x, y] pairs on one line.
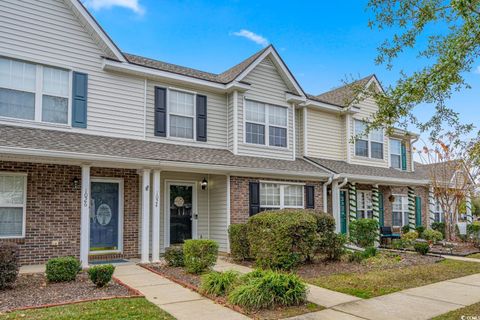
[[52, 140], [223, 78], [342, 96], [342, 167]]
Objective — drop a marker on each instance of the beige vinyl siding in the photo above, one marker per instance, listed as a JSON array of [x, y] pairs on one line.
[[325, 135], [216, 116], [299, 133], [47, 32], [266, 86], [218, 210], [230, 124], [367, 108]]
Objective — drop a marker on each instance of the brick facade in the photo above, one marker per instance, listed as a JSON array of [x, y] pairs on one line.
[[53, 210], [239, 196], [422, 192]]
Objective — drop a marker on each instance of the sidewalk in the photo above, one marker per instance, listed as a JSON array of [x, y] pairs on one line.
[[417, 303], [322, 297], [180, 302]]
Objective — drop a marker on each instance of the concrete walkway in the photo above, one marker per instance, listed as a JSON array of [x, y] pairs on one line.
[[412, 304], [322, 297], [180, 302], [461, 258]]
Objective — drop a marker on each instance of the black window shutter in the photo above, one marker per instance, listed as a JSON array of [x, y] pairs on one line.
[[201, 118], [160, 112], [79, 99], [254, 198], [310, 197]]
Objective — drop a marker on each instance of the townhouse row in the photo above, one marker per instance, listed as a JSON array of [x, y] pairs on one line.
[[109, 155]]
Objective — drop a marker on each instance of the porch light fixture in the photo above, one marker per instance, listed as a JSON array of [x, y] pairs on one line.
[[75, 183], [391, 198], [204, 184]]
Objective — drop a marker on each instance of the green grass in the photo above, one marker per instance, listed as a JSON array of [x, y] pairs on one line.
[[469, 312], [380, 282], [124, 309], [474, 256]]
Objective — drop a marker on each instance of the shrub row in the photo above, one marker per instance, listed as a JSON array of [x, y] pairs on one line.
[[9, 265]]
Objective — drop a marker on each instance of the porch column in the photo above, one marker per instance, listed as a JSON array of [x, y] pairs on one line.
[[145, 216], [156, 217], [468, 208], [411, 208], [336, 205], [376, 208], [352, 201], [85, 216], [431, 207]]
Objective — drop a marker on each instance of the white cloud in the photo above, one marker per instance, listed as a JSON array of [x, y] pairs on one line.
[[258, 39], [133, 5], [477, 70]]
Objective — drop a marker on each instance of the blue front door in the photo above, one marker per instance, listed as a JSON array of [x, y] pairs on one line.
[[104, 216]]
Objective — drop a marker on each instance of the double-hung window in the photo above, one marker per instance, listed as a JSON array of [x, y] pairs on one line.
[[368, 145], [181, 114], [12, 205], [34, 92], [265, 124], [395, 153], [364, 204], [400, 211], [280, 196], [438, 211]]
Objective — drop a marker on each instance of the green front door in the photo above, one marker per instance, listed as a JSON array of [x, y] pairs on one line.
[[418, 211], [343, 211]]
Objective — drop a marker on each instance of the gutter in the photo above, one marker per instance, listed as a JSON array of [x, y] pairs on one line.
[[160, 164]]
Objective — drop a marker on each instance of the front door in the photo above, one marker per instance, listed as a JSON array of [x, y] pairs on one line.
[[343, 211], [181, 212], [104, 216]]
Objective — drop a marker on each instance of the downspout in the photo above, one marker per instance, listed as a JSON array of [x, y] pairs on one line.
[[325, 196], [411, 153]]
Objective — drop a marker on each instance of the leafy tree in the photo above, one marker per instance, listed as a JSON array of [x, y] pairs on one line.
[[451, 30]]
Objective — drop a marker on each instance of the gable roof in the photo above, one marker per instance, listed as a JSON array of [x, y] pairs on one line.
[[95, 29], [343, 96], [443, 170]]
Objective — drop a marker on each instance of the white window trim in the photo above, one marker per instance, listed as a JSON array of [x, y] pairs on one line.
[[364, 209], [441, 215], [390, 153], [38, 107], [404, 196], [25, 175], [194, 117], [282, 186], [266, 124], [369, 142]]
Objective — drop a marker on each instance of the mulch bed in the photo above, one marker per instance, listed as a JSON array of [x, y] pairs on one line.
[[33, 290], [457, 249], [192, 281]]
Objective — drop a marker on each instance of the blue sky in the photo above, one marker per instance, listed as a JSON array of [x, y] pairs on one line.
[[322, 42]]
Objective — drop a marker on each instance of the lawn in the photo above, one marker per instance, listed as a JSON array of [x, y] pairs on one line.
[[125, 309], [474, 256], [470, 312], [379, 282]]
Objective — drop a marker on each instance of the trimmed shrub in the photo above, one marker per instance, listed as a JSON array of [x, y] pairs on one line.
[[8, 265], [363, 232], [406, 229], [199, 255], [401, 244], [174, 256], [62, 269], [473, 232], [439, 226], [101, 275], [269, 289], [219, 283], [281, 239], [421, 247], [432, 235], [239, 246], [331, 245], [410, 236], [356, 256], [420, 230], [325, 222]]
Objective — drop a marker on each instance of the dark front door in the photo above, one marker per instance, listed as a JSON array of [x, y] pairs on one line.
[[104, 216], [343, 211], [181, 213]]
